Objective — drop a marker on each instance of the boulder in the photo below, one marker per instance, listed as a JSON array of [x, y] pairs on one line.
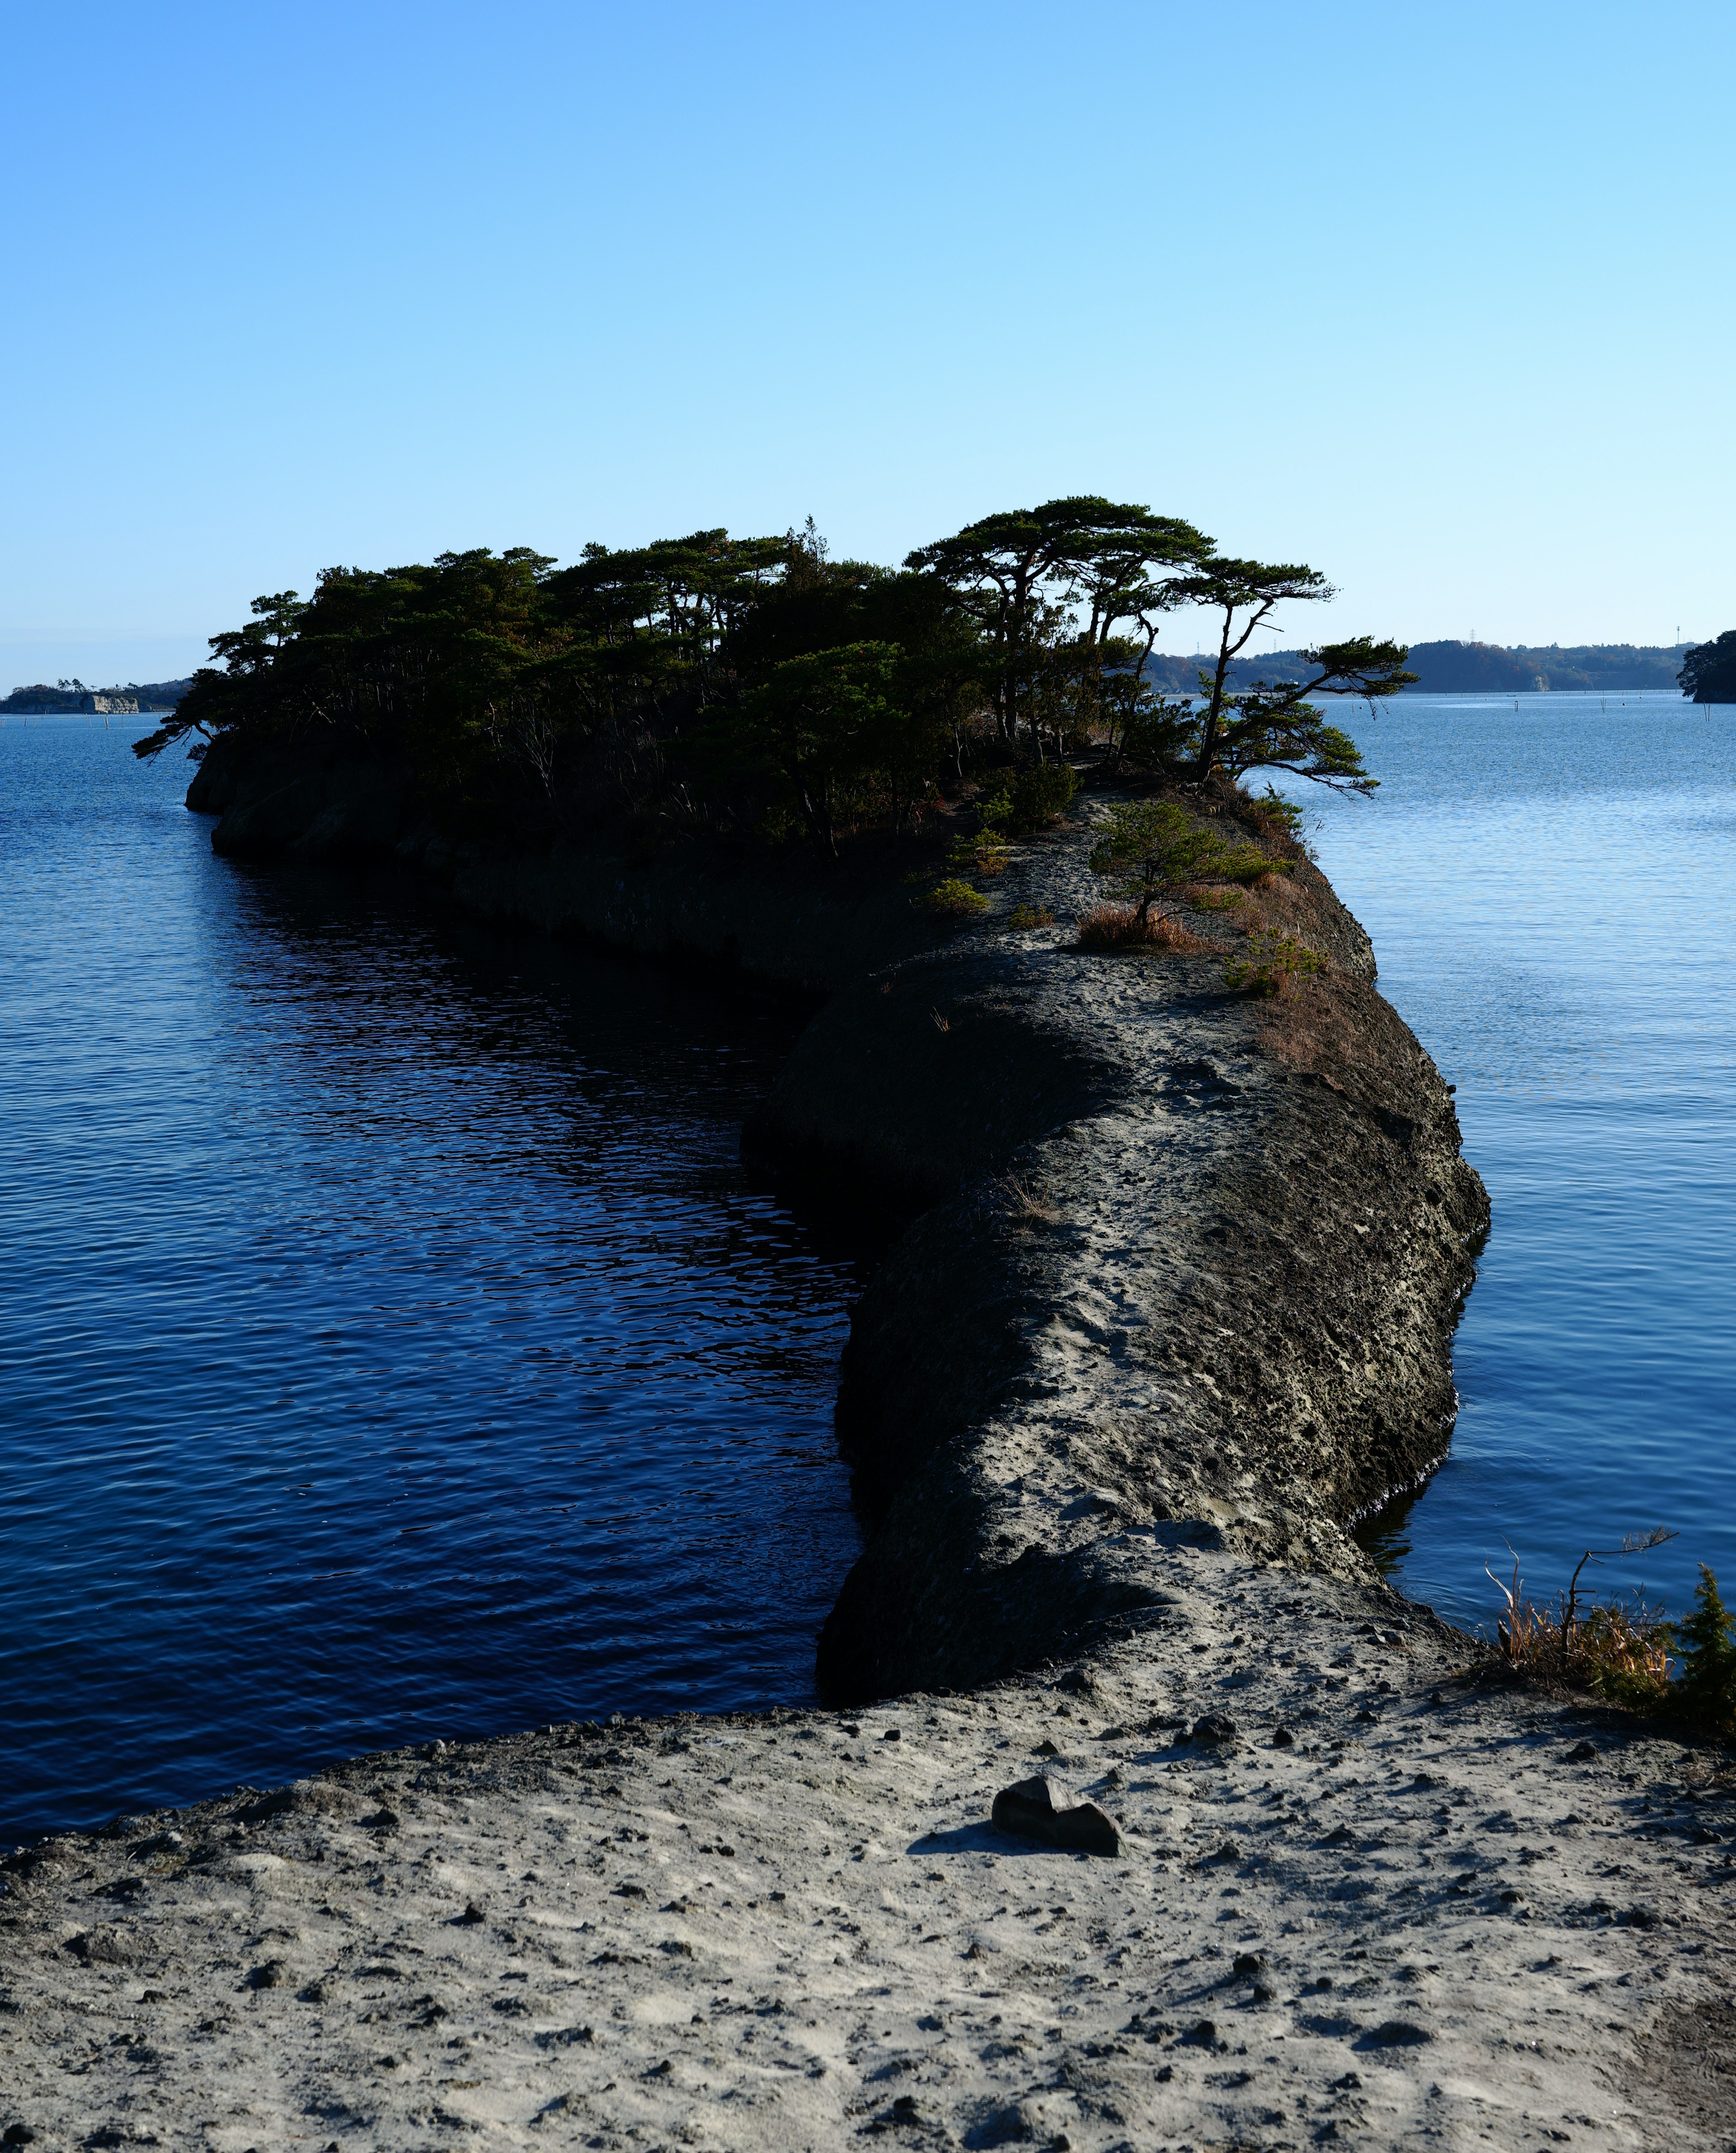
[[1042, 1808]]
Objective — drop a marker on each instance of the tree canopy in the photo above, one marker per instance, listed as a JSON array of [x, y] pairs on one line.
[[1708, 672], [759, 685]]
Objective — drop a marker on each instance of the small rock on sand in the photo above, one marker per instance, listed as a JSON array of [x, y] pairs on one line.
[[1041, 1808]]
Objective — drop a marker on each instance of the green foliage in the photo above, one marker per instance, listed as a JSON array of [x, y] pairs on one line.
[[1706, 1687], [1031, 915], [1150, 845], [1035, 797], [755, 682], [1708, 672], [1274, 809], [1022, 574], [955, 899], [985, 853], [1155, 732], [1271, 960], [816, 722], [1275, 726], [454, 665]]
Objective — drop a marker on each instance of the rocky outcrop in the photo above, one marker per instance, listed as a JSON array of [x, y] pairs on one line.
[[1168, 1257], [1184, 1260], [57, 702], [325, 805]]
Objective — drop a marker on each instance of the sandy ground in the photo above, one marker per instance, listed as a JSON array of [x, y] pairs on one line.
[[1398, 1906]]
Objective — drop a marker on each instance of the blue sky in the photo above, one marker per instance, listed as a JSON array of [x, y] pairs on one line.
[[1438, 300]]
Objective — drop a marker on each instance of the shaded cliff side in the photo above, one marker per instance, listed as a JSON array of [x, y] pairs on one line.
[[1170, 1257]]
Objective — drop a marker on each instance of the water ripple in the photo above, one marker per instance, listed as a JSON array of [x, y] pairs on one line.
[[393, 1345]]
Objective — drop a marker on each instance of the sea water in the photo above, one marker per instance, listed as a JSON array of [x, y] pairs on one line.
[[1549, 885], [392, 1346]]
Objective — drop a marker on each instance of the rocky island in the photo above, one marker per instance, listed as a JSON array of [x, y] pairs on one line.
[[1177, 1249]]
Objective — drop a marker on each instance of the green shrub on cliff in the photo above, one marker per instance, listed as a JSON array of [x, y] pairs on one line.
[[1270, 962], [1706, 1687], [985, 853], [955, 899], [1032, 801], [1151, 846]]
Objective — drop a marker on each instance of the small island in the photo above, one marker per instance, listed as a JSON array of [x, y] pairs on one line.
[[72, 699]]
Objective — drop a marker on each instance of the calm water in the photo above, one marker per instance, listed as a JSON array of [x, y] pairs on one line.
[[392, 1344], [1550, 892]]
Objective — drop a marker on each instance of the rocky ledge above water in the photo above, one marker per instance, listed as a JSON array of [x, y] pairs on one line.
[[1171, 1257]]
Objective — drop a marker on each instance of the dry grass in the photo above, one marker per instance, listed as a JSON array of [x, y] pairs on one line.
[[1026, 1207], [1118, 927], [1618, 1647]]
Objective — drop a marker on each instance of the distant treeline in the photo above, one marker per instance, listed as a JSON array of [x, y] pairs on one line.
[[70, 697], [1471, 667]]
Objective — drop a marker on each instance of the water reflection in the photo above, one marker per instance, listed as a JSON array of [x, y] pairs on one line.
[[393, 1344]]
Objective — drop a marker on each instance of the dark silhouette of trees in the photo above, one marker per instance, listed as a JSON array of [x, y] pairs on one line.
[[1021, 573], [737, 681], [1708, 672]]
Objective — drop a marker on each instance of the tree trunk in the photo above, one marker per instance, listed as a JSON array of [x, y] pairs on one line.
[[1208, 736]]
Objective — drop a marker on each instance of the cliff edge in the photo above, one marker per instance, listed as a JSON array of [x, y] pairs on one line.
[[1171, 1257]]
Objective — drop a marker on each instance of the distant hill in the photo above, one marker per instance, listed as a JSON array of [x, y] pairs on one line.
[[44, 701], [1472, 668]]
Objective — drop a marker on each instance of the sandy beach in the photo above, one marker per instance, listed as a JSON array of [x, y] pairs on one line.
[[1403, 1902]]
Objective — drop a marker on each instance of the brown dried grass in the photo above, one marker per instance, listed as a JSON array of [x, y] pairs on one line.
[[1618, 1647], [1119, 927]]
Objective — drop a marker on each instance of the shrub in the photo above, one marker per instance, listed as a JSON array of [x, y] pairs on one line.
[[1120, 927], [955, 899], [1031, 915], [1037, 797], [1619, 1648], [1270, 962], [985, 853], [1150, 845], [1280, 817], [1707, 1688]]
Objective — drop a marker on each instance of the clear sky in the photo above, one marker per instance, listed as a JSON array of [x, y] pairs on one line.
[[1439, 300]]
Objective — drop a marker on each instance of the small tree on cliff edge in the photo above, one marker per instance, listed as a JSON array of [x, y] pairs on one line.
[[1275, 726], [1152, 846], [1707, 1685]]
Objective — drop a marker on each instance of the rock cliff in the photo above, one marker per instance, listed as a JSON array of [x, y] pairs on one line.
[[1168, 1256]]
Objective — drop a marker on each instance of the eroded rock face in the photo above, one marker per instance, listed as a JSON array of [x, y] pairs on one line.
[[1178, 1267], [1176, 1262], [1190, 1266]]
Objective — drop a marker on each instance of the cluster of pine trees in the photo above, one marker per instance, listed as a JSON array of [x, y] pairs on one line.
[[757, 681]]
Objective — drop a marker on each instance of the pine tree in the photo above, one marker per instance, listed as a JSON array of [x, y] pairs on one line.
[[1707, 1685]]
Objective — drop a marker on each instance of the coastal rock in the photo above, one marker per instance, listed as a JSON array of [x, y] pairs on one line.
[[1173, 1267], [1041, 1808]]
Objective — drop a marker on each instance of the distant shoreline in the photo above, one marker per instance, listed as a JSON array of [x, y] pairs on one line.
[[1454, 668]]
